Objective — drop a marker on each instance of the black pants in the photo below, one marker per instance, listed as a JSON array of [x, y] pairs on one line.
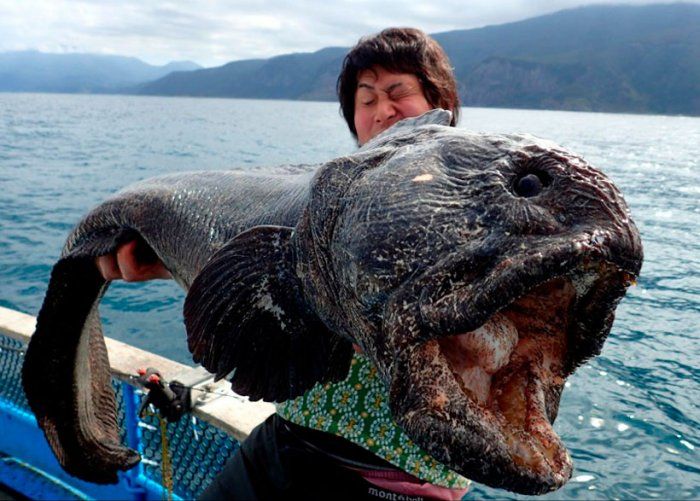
[[276, 462]]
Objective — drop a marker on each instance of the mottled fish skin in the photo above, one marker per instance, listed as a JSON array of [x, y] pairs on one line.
[[184, 219], [187, 217], [407, 247], [439, 237]]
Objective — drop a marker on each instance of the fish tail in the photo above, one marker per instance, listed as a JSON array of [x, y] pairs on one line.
[[67, 379]]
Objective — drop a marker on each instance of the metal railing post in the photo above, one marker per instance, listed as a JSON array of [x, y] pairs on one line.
[[133, 440]]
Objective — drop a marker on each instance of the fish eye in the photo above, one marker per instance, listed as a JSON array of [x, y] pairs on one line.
[[530, 184]]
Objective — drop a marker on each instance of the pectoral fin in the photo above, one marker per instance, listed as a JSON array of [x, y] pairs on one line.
[[245, 312]]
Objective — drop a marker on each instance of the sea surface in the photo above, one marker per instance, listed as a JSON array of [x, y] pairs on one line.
[[630, 417]]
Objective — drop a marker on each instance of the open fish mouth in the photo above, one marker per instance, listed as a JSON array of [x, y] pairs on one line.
[[512, 369], [482, 395]]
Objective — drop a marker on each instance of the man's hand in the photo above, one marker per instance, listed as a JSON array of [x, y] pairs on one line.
[[129, 264]]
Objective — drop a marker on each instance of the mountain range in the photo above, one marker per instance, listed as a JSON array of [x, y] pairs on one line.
[[33, 71], [643, 59]]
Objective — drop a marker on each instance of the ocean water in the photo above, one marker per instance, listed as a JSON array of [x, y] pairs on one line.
[[629, 417]]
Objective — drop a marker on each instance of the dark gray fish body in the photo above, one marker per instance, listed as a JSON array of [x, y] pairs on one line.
[[476, 271], [187, 217], [183, 219]]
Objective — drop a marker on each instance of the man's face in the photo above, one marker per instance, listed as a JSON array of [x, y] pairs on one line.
[[384, 98]]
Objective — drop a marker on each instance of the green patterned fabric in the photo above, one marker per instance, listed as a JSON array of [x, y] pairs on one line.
[[356, 409]]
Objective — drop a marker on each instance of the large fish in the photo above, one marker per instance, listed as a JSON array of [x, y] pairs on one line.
[[476, 271]]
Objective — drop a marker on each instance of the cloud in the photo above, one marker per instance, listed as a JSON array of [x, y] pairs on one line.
[[214, 32]]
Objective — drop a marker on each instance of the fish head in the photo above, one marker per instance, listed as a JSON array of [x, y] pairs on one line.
[[477, 272]]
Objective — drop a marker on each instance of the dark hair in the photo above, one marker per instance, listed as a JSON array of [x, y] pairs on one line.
[[400, 50]]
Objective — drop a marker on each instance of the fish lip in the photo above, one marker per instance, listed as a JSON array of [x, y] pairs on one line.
[[517, 273]]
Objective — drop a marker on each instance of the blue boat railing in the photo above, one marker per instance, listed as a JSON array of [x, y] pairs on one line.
[[198, 444]]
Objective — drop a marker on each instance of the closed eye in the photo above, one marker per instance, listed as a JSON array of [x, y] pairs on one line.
[[395, 96], [402, 91]]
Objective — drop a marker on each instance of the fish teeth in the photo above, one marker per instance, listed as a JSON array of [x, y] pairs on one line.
[[488, 347], [478, 382]]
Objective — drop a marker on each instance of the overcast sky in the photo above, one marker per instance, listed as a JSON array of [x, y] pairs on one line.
[[212, 33]]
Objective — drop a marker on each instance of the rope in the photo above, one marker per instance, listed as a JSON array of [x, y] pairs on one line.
[[23, 350], [166, 468], [192, 388]]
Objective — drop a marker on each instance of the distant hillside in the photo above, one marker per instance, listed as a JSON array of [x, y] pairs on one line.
[[599, 58], [32, 71], [308, 76], [602, 58]]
